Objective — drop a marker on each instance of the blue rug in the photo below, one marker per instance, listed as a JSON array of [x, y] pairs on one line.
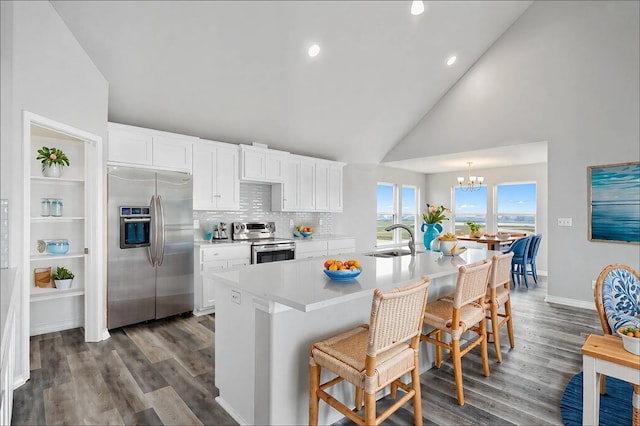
[[615, 405]]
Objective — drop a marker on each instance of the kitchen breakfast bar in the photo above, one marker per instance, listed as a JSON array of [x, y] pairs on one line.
[[268, 315]]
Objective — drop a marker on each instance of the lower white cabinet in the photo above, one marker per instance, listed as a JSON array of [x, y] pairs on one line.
[[321, 248], [215, 257]]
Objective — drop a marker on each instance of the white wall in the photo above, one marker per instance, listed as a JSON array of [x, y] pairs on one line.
[[358, 218], [49, 74], [567, 73], [439, 188]]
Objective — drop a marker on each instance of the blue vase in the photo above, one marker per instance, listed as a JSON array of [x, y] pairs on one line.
[[431, 231]]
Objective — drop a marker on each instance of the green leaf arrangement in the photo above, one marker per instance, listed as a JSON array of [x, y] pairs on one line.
[[62, 273], [50, 156]]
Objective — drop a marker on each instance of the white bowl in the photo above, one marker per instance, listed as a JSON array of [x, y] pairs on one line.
[[503, 236], [631, 344], [447, 245]]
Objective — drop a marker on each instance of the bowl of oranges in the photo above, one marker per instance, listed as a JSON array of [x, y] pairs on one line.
[[630, 339], [339, 270]]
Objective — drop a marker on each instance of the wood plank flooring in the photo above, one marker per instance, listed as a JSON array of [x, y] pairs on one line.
[[163, 373]]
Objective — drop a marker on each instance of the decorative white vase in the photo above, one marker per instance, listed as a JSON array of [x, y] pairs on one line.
[[63, 284], [53, 170]]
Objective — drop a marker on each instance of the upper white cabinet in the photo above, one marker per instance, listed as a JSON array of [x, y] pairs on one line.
[[216, 185], [261, 164], [309, 184], [139, 147]]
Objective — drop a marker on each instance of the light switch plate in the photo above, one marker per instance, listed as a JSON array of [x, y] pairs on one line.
[[564, 221], [196, 224], [235, 296]]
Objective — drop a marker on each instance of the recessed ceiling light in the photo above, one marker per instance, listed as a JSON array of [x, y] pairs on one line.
[[314, 50], [417, 7], [451, 60]]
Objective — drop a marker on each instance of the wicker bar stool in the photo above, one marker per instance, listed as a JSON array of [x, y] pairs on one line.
[[458, 314], [372, 356], [499, 295]]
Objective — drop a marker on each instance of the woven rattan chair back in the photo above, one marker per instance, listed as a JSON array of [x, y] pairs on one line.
[[500, 270], [396, 316], [471, 285]]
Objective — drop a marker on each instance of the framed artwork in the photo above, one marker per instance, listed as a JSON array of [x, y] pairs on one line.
[[614, 203]]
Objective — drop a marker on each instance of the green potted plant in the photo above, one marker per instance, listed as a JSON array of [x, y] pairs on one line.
[[63, 278], [474, 230], [53, 159]]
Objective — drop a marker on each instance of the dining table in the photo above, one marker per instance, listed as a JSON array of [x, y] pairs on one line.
[[493, 243]]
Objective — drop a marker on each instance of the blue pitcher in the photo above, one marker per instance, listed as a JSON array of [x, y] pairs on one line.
[[431, 232]]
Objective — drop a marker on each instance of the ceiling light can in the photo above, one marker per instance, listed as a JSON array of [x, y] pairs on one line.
[[417, 7], [314, 50], [451, 60]]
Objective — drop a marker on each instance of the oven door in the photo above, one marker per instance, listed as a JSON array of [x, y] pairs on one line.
[[264, 253]]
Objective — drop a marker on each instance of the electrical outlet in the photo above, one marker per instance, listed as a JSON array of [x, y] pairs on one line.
[[196, 224], [290, 222], [235, 296], [564, 221], [321, 222]]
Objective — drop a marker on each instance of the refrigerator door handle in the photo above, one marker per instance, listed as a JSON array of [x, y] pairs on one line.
[[160, 257], [152, 249]]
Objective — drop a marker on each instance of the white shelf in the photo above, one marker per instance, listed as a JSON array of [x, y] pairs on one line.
[[48, 256], [55, 181], [56, 218], [39, 294]]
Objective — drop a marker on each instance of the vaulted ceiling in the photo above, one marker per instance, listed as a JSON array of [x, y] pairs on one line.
[[239, 72]]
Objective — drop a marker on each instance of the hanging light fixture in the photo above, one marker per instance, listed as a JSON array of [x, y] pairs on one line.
[[473, 183]]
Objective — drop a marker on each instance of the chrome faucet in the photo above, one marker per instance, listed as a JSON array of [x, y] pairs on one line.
[[412, 243]]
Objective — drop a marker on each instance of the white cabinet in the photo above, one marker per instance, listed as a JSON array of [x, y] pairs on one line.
[[341, 246], [138, 147], [320, 248], [309, 184], [215, 257], [261, 164], [311, 248], [216, 184]]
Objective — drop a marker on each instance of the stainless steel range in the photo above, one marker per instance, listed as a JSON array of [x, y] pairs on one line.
[[265, 247]]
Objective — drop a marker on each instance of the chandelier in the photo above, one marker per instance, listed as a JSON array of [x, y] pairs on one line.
[[473, 183]]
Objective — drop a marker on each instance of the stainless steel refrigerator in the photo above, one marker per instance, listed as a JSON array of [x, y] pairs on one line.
[[150, 245]]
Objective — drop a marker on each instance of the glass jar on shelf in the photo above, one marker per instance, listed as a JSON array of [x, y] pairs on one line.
[[56, 207], [45, 207]]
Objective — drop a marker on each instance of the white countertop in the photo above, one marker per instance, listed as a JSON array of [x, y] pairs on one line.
[[328, 237], [302, 285]]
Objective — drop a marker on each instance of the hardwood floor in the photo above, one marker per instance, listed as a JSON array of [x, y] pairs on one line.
[[163, 373]]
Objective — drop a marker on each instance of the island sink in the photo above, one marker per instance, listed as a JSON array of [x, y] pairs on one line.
[[389, 253]]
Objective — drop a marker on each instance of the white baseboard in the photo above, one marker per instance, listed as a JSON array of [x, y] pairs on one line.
[[56, 326], [237, 417], [201, 312], [570, 302]]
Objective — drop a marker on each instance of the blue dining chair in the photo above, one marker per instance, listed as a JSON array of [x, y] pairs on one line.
[[520, 249], [531, 258]]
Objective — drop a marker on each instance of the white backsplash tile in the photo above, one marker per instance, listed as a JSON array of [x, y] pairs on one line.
[[255, 206]]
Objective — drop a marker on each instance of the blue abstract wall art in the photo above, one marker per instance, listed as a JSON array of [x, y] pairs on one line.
[[614, 203]]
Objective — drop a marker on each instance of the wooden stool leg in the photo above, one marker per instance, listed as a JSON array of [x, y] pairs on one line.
[[507, 311], [394, 391], [495, 330], [438, 336], [369, 408], [457, 370], [417, 398], [483, 346], [314, 384], [358, 398]]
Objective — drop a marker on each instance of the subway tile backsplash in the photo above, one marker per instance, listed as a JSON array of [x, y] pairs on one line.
[[255, 206]]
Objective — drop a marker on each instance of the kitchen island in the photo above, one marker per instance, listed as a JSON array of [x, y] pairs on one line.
[[268, 315]]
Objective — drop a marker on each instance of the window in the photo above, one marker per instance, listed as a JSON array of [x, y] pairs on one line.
[[469, 207], [516, 207], [386, 209], [396, 204]]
